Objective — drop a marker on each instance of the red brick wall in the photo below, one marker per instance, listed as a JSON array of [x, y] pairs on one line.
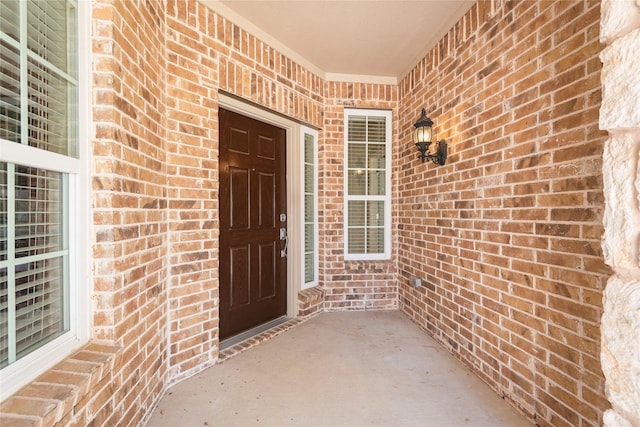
[[129, 205], [118, 378], [192, 180], [205, 54], [355, 285], [506, 235]]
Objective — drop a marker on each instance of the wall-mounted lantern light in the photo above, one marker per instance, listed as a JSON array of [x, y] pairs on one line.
[[422, 136]]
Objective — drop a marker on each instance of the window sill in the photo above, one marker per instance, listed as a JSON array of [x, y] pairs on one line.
[[63, 392]]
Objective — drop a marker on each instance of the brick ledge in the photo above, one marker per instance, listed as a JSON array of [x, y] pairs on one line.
[[62, 392], [310, 301]]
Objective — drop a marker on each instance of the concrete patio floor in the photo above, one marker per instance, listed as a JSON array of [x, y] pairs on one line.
[[373, 368]]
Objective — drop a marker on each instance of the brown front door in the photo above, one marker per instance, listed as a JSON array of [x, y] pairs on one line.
[[253, 270]]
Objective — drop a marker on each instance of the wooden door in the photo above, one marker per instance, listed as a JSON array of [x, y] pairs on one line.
[[253, 269]]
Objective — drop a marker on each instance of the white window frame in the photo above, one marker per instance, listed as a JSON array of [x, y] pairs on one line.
[[29, 367], [387, 114], [304, 130]]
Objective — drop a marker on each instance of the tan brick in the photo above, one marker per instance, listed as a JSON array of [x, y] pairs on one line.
[[7, 420], [44, 411]]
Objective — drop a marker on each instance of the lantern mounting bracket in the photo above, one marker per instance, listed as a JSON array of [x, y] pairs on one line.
[[441, 152]]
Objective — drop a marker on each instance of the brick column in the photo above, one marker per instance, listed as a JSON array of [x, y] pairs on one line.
[[620, 116]]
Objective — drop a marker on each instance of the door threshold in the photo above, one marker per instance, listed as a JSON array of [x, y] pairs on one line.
[[231, 341]]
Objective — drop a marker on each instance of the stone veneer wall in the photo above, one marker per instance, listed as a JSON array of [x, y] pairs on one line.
[[620, 116], [506, 236]]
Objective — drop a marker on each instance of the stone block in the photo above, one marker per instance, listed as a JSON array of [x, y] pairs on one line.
[[613, 419], [621, 83], [620, 362], [621, 188], [618, 17]]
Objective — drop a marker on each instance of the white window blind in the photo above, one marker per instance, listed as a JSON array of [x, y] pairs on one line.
[[38, 109], [10, 18], [10, 102], [367, 188]]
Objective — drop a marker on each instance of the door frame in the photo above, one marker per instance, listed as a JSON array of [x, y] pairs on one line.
[[295, 175]]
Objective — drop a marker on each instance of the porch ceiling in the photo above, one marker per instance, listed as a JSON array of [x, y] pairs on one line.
[[357, 40]]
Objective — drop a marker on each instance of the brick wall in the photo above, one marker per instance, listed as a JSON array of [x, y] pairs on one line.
[[506, 236], [358, 285], [192, 179], [206, 54], [118, 378], [129, 205]]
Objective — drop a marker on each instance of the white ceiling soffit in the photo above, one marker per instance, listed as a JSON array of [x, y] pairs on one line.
[[367, 41]]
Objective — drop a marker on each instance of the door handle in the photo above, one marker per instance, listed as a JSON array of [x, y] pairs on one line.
[[284, 236]]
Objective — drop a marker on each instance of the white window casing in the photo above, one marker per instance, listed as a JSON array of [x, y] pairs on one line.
[[367, 202], [44, 126]]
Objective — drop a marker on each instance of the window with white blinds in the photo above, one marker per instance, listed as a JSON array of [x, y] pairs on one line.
[[310, 161], [38, 160], [367, 184]]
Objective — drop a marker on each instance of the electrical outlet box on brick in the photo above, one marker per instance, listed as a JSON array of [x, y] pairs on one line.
[[416, 281]]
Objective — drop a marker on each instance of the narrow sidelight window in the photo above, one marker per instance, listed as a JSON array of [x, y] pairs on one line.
[[310, 161], [367, 184]]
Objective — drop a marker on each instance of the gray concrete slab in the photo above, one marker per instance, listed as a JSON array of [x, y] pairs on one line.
[[373, 368]]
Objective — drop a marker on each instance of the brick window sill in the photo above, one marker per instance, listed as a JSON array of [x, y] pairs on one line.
[[63, 393]]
